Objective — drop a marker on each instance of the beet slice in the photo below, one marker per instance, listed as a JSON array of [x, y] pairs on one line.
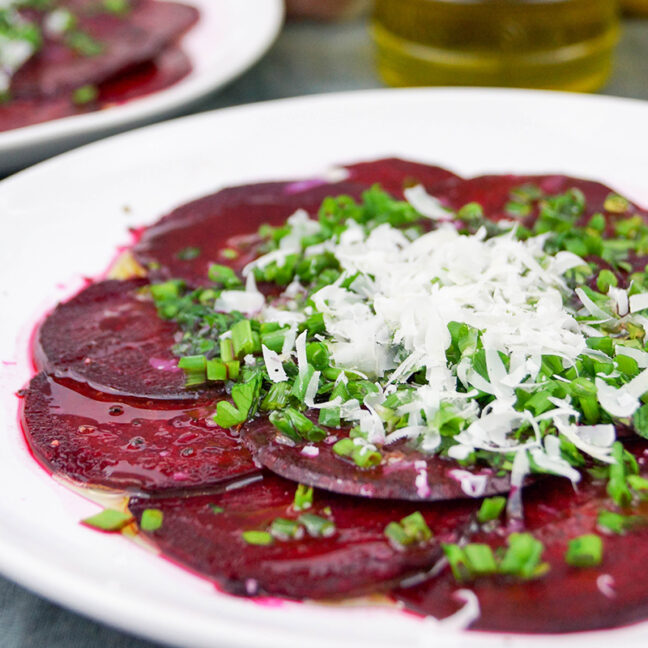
[[126, 443], [493, 192], [168, 68], [404, 473], [567, 599], [356, 559], [25, 112], [227, 219], [231, 217], [394, 175], [111, 337], [126, 40]]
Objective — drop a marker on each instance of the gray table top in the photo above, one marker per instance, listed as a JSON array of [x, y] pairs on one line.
[[306, 59]]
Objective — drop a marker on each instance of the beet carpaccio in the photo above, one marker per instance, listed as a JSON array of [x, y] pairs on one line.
[[389, 379], [68, 57]]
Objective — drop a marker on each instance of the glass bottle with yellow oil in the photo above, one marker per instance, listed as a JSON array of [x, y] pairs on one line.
[[635, 7], [553, 44]]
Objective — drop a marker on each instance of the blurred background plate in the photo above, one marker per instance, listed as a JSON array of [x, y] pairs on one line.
[[64, 219], [229, 38]]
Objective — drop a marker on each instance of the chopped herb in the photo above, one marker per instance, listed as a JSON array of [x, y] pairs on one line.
[[83, 44], [216, 509], [316, 526], [109, 520], [491, 509], [411, 529], [188, 253], [303, 497], [85, 94], [151, 520], [259, 538], [284, 529], [117, 7], [585, 551]]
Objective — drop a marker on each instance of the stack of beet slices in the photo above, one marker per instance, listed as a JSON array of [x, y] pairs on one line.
[[122, 55], [109, 409]]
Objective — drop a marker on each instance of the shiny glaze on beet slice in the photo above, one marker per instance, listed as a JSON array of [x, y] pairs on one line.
[[126, 443], [355, 560], [394, 175], [566, 599], [111, 337], [404, 473], [126, 40]]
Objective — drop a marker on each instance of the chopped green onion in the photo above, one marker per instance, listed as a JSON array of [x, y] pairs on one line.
[[617, 487], [84, 95], [396, 534], [216, 370], [284, 529], [491, 509], [151, 520], [617, 523], [316, 526], [82, 43], [242, 338], [303, 498], [638, 483], [585, 551], [188, 253], [344, 447], [523, 556], [228, 416], [329, 417], [480, 559], [223, 276], [457, 560], [216, 509], [108, 520], [259, 538], [365, 458], [276, 398], [416, 527], [117, 7], [166, 290], [616, 204]]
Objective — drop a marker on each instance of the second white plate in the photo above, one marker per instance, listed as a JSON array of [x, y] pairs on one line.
[[230, 37]]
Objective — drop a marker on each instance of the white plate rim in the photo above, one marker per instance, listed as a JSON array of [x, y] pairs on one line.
[[18, 562]]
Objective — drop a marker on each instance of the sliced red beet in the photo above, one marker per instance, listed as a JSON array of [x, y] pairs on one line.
[[231, 217], [168, 68], [128, 40], [566, 599], [227, 219], [25, 112], [111, 337], [126, 443], [493, 192], [205, 534], [394, 175], [404, 473]]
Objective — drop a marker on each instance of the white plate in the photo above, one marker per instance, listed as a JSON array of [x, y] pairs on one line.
[[229, 38], [64, 219]]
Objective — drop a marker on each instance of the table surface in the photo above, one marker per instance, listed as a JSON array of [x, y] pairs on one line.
[[306, 59]]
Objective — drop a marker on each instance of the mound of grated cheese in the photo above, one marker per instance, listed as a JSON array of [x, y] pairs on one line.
[[392, 321]]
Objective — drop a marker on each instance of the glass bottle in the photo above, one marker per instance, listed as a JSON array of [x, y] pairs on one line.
[[635, 7], [553, 44]]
